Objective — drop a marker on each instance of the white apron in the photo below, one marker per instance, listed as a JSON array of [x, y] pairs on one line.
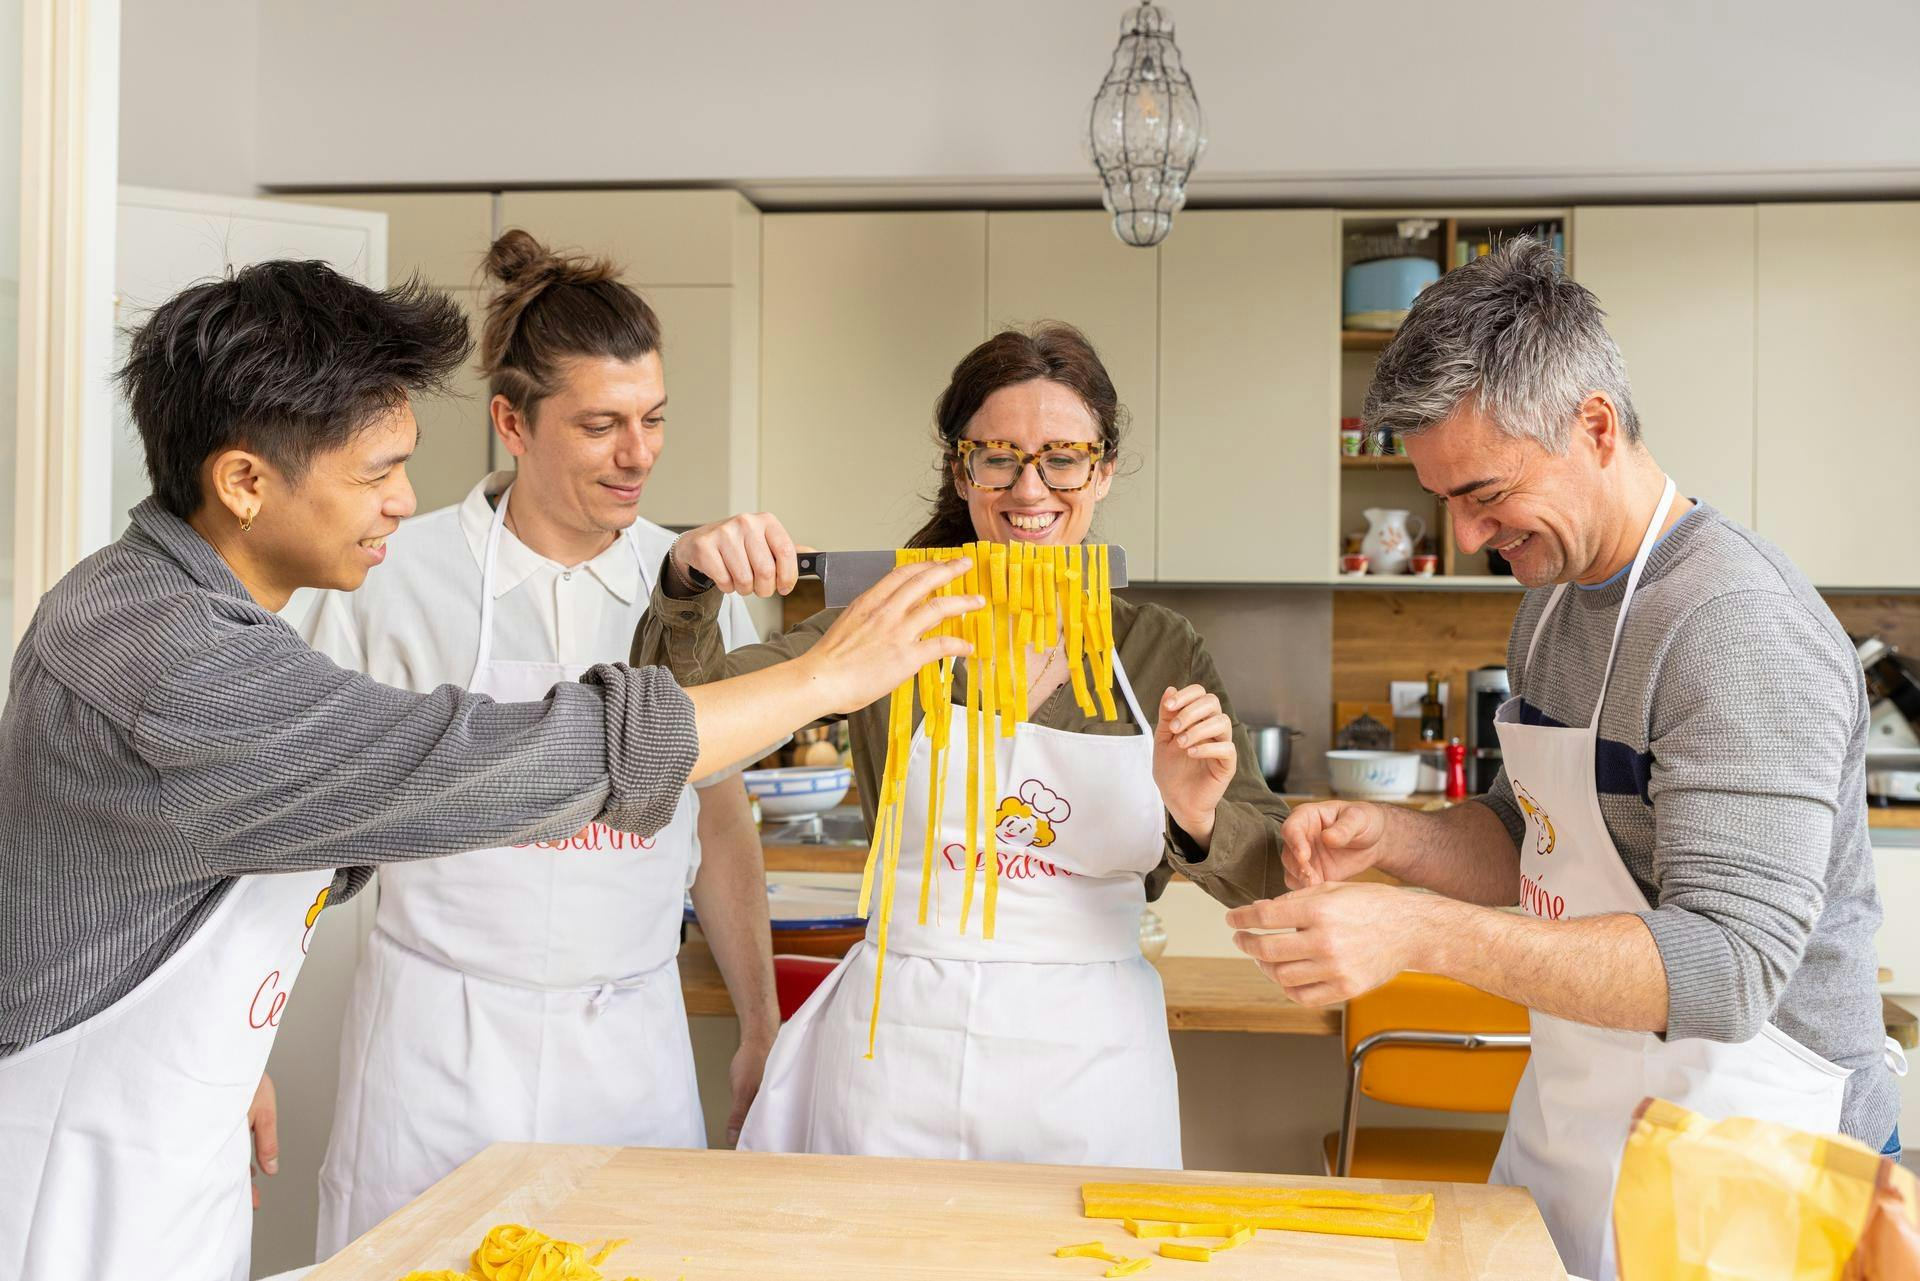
[[513, 994], [1576, 1100], [123, 1140], [1047, 1043]]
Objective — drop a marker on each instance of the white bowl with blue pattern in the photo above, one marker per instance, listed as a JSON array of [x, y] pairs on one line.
[[801, 789], [1373, 776]]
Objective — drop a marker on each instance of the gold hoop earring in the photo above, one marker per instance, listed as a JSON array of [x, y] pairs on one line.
[[247, 524]]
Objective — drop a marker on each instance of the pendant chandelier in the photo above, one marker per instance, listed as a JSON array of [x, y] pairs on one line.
[[1145, 132]]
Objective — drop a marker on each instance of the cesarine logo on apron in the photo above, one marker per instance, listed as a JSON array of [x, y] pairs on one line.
[[1028, 821], [1535, 897], [592, 837], [270, 998]]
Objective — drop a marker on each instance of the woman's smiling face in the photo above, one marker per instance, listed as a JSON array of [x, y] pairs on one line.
[[1030, 415]]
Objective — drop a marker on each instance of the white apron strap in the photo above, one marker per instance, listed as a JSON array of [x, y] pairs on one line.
[[483, 648], [1647, 540]]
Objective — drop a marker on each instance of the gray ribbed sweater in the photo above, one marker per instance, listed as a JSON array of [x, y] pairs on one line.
[[165, 734], [1731, 773]]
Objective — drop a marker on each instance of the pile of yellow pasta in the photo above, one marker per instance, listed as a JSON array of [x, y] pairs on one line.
[[1035, 596], [511, 1252]]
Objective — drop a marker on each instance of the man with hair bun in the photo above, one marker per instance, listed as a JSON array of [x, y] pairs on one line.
[[1681, 813], [532, 994]]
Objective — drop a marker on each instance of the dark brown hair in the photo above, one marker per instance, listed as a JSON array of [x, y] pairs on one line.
[[550, 306], [1052, 350]]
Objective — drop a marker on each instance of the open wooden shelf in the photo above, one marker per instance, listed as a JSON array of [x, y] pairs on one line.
[[1351, 461], [1365, 339]]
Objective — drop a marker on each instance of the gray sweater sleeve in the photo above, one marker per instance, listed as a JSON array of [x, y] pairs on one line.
[[1745, 788], [271, 758]]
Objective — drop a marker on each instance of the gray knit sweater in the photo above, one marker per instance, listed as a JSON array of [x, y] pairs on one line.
[[1731, 774], [165, 735]]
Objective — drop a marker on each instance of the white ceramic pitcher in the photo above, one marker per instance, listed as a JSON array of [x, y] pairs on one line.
[[1389, 543]]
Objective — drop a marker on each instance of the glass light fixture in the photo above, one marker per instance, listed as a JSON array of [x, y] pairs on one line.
[[1145, 132]]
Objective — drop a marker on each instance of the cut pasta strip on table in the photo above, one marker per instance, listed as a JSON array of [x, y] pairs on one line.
[[1130, 1267], [1191, 1253], [1405, 1217], [1036, 596], [1089, 1250]]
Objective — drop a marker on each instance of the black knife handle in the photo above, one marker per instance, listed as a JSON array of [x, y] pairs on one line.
[[813, 563]]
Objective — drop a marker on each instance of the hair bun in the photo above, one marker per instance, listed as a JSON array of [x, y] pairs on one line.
[[518, 259], [518, 262]]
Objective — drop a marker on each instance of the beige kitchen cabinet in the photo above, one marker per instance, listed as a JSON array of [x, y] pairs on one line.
[[1838, 429], [442, 238], [1068, 265], [864, 316], [1249, 397], [695, 256], [1677, 283]]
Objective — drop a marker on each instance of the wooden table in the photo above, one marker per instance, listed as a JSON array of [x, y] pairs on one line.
[[703, 1216], [1204, 994]]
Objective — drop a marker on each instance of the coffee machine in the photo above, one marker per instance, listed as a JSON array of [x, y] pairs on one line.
[[1486, 689], [1893, 736]]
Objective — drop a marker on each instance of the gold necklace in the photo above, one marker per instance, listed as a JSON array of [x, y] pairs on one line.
[[1034, 684]]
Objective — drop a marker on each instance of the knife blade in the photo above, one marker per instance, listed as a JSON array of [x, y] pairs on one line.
[[846, 574]]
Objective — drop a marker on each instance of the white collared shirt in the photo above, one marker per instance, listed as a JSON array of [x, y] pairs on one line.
[[415, 622]]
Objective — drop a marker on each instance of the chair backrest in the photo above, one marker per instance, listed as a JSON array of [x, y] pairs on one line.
[[795, 978], [1480, 1080]]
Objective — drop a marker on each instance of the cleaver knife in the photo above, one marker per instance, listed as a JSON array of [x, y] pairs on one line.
[[846, 574]]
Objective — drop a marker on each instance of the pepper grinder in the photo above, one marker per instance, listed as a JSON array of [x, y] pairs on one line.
[[1456, 770]]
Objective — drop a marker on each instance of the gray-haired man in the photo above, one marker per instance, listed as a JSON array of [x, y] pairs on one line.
[[1682, 810]]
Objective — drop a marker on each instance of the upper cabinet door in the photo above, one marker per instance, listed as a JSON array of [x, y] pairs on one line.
[[656, 237], [1839, 429], [1677, 283], [443, 236], [1070, 266], [1249, 400], [864, 316]]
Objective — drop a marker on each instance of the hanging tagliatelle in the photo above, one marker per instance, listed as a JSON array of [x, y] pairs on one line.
[[1036, 597]]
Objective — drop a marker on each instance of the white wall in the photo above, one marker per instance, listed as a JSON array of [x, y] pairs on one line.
[[188, 69], [1609, 96]]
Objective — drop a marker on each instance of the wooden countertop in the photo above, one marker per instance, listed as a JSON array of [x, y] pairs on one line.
[[704, 1216], [853, 858], [1204, 994]]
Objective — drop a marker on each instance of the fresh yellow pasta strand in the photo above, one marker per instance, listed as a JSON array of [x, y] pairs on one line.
[[1102, 615], [996, 624], [1076, 633], [902, 717], [976, 680], [1021, 621]]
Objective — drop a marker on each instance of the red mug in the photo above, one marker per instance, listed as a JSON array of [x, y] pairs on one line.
[[1353, 563], [1426, 565]]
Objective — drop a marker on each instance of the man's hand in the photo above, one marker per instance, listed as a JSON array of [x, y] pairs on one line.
[[748, 1066], [1343, 939], [1331, 841], [750, 554], [263, 1121], [884, 637]]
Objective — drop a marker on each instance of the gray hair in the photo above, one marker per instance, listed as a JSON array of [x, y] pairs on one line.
[[1510, 331]]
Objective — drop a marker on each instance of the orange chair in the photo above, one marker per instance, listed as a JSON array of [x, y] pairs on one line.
[[1407, 1044]]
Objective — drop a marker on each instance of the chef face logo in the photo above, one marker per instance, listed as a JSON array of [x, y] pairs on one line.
[[1027, 821], [1543, 834]]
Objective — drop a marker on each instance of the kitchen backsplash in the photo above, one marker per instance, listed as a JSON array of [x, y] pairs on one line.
[[1287, 654]]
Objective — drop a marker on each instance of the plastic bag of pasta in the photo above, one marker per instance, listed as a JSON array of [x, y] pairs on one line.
[[1747, 1200]]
